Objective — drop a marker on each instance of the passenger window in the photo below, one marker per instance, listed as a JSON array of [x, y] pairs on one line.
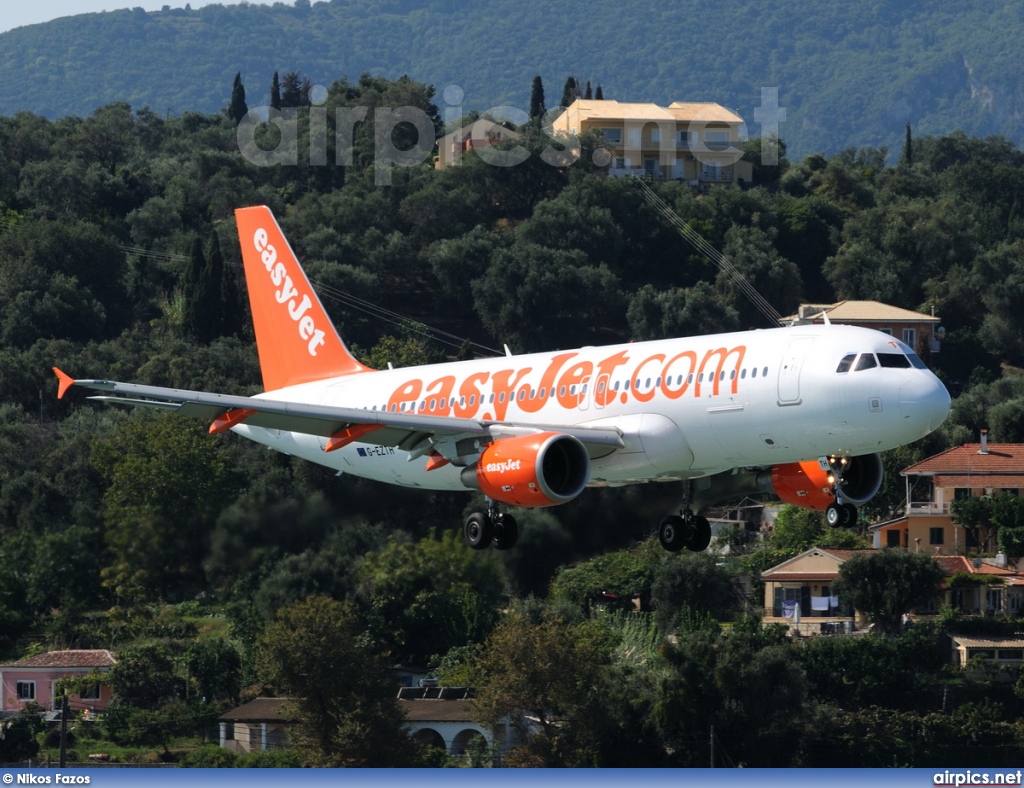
[[846, 363], [893, 361], [866, 361]]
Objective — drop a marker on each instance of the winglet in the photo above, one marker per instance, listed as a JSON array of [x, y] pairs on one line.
[[66, 382], [296, 340]]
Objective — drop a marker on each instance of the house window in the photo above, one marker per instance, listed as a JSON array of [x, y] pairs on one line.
[[91, 693], [885, 331], [26, 690], [612, 135], [655, 134], [892, 538], [960, 493], [685, 138], [801, 597], [936, 535], [910, 337], [1011, 654], [984, 653], [994, 599], [716, 140]]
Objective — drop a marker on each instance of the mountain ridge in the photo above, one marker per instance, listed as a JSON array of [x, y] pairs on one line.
[[846, 75]]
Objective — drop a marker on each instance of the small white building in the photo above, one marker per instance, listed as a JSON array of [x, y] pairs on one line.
[[442, 717], [258, 725]]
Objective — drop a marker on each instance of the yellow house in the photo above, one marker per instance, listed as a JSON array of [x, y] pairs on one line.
[[798, 592], [974, 469], [921, 332], [700, 143]]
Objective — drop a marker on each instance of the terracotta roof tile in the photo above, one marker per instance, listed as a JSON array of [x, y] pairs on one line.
[[978, 480], [1002, 458], [74, 658]]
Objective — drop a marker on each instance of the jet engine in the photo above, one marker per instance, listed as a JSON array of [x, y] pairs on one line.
[[810, 483], [542, 469]]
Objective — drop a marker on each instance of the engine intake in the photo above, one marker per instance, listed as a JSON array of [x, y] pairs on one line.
[[544, 469], [809, 485]]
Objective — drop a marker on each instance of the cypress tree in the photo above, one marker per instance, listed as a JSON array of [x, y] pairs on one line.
[[537, 99], [908, 148], [587, 94], [238, 109], [570, 92], [599, 94], [275, 93], [191, 290]]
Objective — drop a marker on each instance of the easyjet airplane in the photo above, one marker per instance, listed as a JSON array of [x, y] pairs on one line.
[[800, 412]]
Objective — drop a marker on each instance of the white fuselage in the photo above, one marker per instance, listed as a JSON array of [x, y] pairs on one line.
[[686, 407]]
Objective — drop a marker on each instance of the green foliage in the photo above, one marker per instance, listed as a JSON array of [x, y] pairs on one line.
[[428, 597], [692, 585], [18, 737], [885, 584], [343, 689]]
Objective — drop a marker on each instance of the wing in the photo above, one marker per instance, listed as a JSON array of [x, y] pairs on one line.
[[341, 426]]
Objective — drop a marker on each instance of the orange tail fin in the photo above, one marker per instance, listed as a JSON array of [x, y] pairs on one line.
[[297, 342]]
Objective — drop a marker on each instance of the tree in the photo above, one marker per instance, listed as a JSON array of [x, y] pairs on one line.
[[885, 584], [238, 109], [167, 481], [570, 92], [599, 94], [537, 99], [275, 93], [430, 596], [546, 669], [18, 737], [343, 689], [692, 584]]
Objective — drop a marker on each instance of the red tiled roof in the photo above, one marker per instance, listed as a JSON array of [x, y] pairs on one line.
[[967, 459], [976, 480], [961, 563], [74, 658]]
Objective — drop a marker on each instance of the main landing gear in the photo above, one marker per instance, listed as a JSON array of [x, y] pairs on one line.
[[841, 514], [688, 530], [498, 528]]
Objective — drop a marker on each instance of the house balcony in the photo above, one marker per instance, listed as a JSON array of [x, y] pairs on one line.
[[928, 508]]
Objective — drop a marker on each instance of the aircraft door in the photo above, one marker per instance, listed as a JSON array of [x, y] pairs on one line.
[[789, 370]]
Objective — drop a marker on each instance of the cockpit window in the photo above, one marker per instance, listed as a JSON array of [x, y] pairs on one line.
[[915, 360], [893, 360], [846, 363], [866, 361]]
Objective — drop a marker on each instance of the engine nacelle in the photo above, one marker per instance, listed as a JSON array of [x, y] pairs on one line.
[[808, 484], [544, 469]]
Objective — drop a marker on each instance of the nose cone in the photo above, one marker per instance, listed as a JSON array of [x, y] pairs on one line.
[[924, 402]]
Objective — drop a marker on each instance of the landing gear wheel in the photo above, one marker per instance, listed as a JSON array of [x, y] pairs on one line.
[[701, 537], [478, 531], [834, 514], [673, 533], [850, 514], [506, 531]]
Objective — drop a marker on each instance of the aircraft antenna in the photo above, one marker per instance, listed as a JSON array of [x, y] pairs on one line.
[[698, 242]]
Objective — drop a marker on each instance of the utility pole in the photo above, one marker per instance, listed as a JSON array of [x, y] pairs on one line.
[[64, 730]]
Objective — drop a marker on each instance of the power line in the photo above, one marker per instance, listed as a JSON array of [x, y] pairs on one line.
[[701, 245], [352, 302]]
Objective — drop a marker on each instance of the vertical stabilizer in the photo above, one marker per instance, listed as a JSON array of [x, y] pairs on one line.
[[297, 342]]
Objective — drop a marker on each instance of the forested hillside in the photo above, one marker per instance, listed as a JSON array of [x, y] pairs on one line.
[[847, 74], [119, 259]]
